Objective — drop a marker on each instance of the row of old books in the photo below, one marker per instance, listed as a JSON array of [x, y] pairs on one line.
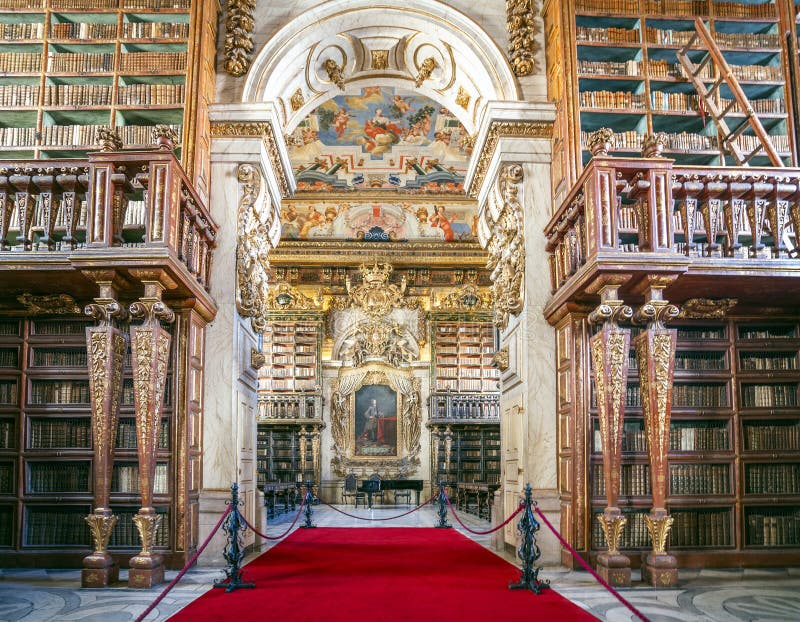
[[611, 6], [630, 139], [767, 361], [695, 438], [773, 529], [143, 94], [708, 395], [8, 391], [749, 143], [70, 135], [127, 438], [765, 479], [59, 392], [126, 534], [634, 534], [701, 333], [152, 61], [700, 361], [51, 526], [83, 30], [609, 68], [64, 357], [140, 134], [700, 528], [60, 327], [25, 30], [125, 478], [58, 477], [17, 136], [769, 395], [9, 357], [661, 100], [778, 331], [20, 62], [772, 437], [7, 431], [6, 478], [71, 62], [623, 100], [77, 94], [699, 479], [607, 35], [51, 433], [155, 30], [634, 480]]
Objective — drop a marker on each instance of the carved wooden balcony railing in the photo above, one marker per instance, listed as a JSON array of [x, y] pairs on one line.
[[137, 200], [289, 406], [464, 408], [644, 214]]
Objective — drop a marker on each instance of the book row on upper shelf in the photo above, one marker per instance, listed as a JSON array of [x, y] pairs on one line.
[[83, 136], [688, 141], [92, 5], [61, 477], [676, 38], [663, 101], [31, 32], [688, 8], [682, 437], [662, 68], [634, 480], [769, 479], [72, 433]]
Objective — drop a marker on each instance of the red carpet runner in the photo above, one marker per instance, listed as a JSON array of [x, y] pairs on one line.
[[384, 574]]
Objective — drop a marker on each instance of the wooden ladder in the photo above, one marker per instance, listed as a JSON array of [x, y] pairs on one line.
[[729, 140]]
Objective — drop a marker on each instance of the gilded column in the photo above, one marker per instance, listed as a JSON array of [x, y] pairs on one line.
[[609, 351], [655, 353], [105, 348], [150, 346]]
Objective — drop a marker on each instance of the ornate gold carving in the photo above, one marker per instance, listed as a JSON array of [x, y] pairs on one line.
[[505, 129], [707, 308], [612, 529], [148, 525], [100, 526], [500, 359], [378, 339], [380, 59], [335, 72], [600, 142], [658, 528], [409, 424], [297, 100], [238, 130], [522, 32], [654, 144], [165, 137], [109, 140], [375, 296], [55, 304], [239, 25], [425, 71], [257, 359], [506, 246], [252, 250], [271, 147], [463, 97], [284, 297], [467, 298]]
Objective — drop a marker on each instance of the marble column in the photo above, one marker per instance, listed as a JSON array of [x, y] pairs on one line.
[[655, 353], [609, 352], [105, 348], [150, 350]]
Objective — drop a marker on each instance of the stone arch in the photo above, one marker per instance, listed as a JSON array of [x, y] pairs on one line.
[[380, 45]]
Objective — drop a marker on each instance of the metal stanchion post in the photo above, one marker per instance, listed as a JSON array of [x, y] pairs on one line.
[[528, 550], [442, 511], [234, 551], [309, 501]]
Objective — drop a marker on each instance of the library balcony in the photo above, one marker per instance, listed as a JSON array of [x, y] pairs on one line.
[[274, 407], [465, 408], [114, 209], [712, 229]]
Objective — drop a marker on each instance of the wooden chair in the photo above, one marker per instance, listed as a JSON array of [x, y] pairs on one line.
[[402, 494], [378, 494], [350, 489]]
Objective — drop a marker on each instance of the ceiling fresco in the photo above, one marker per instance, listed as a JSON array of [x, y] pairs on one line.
[[377, 221], [380, 138]]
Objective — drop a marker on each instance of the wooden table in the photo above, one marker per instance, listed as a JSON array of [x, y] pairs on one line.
[[476, 498], [273, 491]]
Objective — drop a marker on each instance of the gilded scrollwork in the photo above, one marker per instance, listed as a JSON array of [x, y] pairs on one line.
[[376, 296], [108, 140], [658, 528], [425, 71], [252, 250], [239, 25], [53, 304], [707, 308], [335, 72], [612, 529], [283, 296], [524, 31], [470, 297], [506, 245], [100, 527]]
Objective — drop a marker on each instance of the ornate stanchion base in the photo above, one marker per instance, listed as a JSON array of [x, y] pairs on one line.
[[309, 501], [99, 568], [613, 566], [147, 569], [658, 567], [528, 551]]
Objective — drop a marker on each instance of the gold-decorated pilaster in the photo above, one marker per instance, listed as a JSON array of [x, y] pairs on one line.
[[655, 353], [150, 347], [105, 346], [609, 351]]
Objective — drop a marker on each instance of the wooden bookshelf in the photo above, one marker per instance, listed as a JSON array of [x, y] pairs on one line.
[[69, 68], [292, 350], [612, 63], [734, 460], [285, 454], [473, 456], [462, 357]]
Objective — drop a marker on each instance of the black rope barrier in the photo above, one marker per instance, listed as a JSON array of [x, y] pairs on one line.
[[441, 499], [285, 533], [490, 531], [367, 518], [309, 501]]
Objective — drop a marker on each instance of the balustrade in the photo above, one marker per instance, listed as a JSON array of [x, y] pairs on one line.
[[290, 406], [465, 407]]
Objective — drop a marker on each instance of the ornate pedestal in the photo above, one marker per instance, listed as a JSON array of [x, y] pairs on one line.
[[612, 565], [147, 569], [99, 569]]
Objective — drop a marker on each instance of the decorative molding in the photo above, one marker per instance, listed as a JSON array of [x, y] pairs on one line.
[[468, 298], [707, 308], [653, 145], [165, 137], [600, 142], [425, 71], [380, 59], [658, 528], [252, 250], [505, 129], [506, 245], [297, 100], [281, 174], [284, 297], [335, 72], [109, 140], [523, 34], [375, 296], [238, 130], [54, 304], [239, 26], [463, 97], [501, 360], [257, 359]]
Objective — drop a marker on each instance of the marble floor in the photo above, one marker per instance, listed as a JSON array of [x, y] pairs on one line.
[[749, 595]]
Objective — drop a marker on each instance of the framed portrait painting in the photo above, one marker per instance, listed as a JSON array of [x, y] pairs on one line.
[[376, 407]]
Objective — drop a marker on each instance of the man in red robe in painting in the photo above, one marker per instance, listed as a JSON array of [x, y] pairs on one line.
[[439, 219]]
